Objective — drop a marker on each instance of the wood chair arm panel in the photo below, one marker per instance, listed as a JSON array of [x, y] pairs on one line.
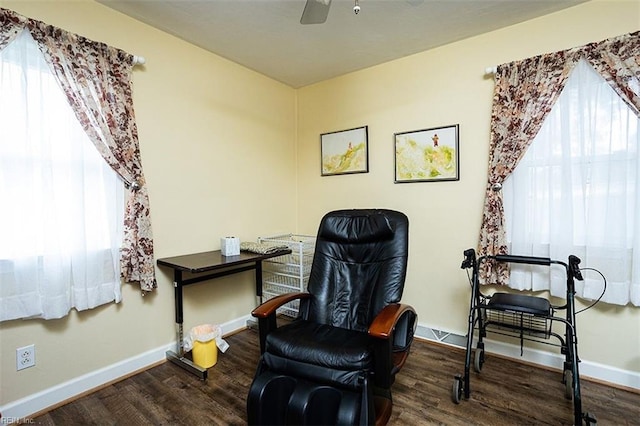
[[270, 306], [384, 323]]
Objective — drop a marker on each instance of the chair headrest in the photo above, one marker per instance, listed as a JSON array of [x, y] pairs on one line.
[[353, 226]]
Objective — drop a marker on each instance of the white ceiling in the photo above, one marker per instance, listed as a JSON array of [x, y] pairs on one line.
[[266, 35]]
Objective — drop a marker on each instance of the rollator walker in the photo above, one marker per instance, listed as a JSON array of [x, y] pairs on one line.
[[526, 318]]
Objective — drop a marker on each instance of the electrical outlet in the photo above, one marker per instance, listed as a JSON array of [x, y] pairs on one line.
[[25, 357]]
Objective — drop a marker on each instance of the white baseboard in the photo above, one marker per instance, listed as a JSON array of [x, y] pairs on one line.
[[588, 369], [21, 409]]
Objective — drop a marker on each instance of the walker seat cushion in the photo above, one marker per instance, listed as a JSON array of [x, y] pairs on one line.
[[538, 306]]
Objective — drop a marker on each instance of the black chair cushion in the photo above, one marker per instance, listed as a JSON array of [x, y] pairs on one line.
[[359, 267], [321, 345], [356, 227]]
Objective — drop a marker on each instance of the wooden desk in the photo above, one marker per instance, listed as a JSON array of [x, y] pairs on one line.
[[206, 266]]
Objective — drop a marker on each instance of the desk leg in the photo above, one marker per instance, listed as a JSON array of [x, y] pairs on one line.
[[177, 286], [259, 281], [252, 323], [178, 357]]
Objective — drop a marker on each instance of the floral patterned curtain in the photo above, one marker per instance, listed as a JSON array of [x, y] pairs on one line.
[[524, 94], [96, 79], [617, 60], [9, 28]]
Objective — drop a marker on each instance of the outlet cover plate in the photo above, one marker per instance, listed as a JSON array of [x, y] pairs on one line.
[[25, 357]]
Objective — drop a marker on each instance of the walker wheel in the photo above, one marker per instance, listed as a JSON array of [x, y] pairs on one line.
[[456, 391], [478, 360], [568, 384]]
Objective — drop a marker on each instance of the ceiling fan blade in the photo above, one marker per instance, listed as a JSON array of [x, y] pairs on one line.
[[315, 12]]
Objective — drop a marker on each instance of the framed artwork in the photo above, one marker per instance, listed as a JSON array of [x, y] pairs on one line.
[[428, 155], [345, 152]]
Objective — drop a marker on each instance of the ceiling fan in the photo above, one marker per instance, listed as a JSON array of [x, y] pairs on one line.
[[316, 11]]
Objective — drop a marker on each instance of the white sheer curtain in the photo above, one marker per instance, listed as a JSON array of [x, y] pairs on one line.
[[577, 191], [62, 205]]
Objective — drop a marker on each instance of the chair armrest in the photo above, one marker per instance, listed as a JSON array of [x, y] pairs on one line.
[[386, 320], [270, 306], [392, 330]]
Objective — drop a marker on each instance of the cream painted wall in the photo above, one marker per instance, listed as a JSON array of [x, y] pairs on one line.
[[219, 146], [441, 87], [218, 149]]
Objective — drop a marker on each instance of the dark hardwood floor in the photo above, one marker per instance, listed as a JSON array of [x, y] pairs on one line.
[[506, 393]]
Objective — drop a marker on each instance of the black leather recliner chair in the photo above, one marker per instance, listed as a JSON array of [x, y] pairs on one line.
[[335, 364]]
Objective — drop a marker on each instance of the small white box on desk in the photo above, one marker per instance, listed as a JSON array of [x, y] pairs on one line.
[[230, 246]]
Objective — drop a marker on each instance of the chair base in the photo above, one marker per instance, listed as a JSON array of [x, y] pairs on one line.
[[276, 399]]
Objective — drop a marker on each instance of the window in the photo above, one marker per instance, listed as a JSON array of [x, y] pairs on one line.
[[576, 191], [62, 205]]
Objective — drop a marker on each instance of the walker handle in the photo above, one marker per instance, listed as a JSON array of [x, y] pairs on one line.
[[522, 259], [574, 269], [469, 259]]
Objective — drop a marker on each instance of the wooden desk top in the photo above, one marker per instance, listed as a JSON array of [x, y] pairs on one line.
[[212, 260]]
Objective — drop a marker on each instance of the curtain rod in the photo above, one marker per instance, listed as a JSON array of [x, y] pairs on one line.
[[138, 60], [491, 70]]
